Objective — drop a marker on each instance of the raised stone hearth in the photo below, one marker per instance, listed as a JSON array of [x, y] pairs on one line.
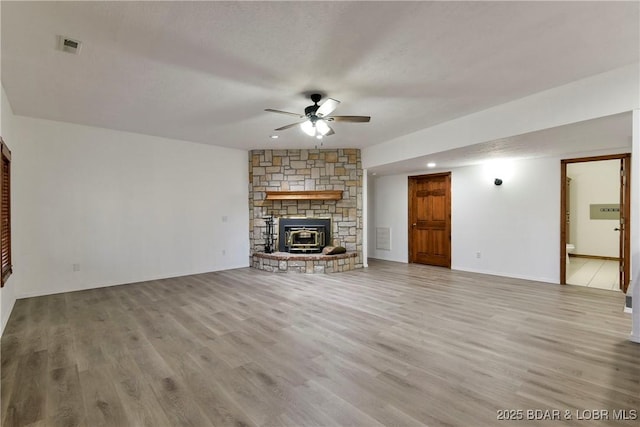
[[284, 262]]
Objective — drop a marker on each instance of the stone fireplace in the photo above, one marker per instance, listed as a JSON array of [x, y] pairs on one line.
[[290, 186]]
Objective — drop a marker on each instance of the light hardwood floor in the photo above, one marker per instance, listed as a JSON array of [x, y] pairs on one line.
[[393, 345]]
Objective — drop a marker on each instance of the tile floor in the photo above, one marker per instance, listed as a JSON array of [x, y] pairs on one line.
[[593, 273]]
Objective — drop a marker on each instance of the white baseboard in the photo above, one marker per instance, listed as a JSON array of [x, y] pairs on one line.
[[510, 275]]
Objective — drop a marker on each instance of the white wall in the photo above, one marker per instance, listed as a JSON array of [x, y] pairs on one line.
[[635, 232], [8, 293], [594, 183], [390, 209], [125, 207], [514, 227], [369, 230], [365, 219]]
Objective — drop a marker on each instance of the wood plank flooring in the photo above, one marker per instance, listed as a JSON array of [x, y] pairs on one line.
[[391, 345]]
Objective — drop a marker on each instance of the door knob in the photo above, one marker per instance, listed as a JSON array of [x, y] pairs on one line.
[[414, 224]]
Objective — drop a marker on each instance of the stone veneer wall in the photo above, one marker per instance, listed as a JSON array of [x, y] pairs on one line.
[[294, 170]]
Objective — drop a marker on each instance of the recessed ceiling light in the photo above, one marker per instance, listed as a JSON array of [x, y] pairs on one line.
[[274, 136], [431, 165]]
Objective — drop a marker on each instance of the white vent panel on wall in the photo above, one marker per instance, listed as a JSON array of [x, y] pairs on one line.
[[383, 238]]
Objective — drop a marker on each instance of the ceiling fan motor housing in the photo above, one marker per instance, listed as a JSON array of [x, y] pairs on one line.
[[310, 111]]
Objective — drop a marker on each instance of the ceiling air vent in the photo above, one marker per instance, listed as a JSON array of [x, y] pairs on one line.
[[67, 44]]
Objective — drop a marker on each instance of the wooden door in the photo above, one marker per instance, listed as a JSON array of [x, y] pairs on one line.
[[625, 248], [430, 219]]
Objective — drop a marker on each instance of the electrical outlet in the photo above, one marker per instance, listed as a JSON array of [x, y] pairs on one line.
[[477, 254], [224, 218], [224, 252], [76, 267]]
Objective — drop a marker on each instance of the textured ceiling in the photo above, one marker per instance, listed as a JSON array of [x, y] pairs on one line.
[[205, 71]]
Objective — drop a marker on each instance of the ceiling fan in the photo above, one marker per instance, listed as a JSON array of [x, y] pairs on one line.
[[317, 117]]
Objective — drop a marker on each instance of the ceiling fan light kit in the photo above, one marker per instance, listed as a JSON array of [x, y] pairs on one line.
[[308, 128], [317, 117], [316, 127]]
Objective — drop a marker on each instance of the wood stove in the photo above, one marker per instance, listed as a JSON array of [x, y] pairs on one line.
[[303, 235]]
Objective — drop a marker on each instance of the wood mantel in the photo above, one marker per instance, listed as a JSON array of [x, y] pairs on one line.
[[305, 195]]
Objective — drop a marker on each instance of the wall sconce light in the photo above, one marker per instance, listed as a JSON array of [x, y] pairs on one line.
[[502, 168]]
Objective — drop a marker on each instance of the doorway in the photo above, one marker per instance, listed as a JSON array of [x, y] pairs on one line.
[[430, 219], [594, 229]]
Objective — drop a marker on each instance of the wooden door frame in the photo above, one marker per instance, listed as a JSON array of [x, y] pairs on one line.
[[411, 179], [626, 253]]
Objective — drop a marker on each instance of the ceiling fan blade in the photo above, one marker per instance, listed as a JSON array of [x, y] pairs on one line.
[[331, 132], [290, 126], [327, 107], [271, 110], [353, 119]]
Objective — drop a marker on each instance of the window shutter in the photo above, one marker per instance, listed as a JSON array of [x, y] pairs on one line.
[[5, 211]]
